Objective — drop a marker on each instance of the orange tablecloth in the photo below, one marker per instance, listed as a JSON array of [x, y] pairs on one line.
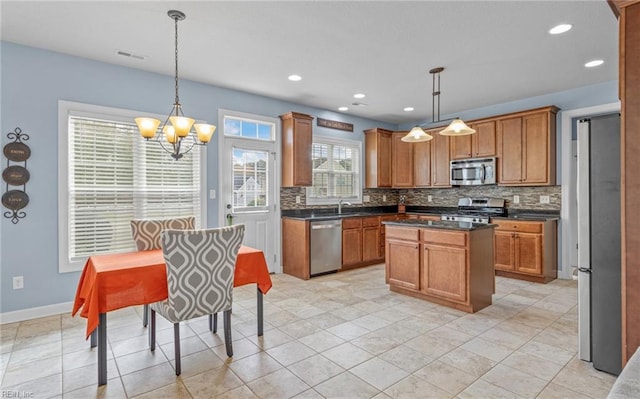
[[110, 282]]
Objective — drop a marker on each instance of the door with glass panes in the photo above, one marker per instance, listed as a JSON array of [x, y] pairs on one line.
[[247, 180]]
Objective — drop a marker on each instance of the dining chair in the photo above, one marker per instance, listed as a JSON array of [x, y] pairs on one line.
[[200, 272], [146, 234]]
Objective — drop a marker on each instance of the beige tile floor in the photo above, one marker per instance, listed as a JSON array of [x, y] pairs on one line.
[[343, 335]]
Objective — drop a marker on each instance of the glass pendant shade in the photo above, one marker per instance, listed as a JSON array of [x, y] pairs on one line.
[[181, 124], [170, 134], [457, 128], [205, 131], [416, 135], [148, 127]]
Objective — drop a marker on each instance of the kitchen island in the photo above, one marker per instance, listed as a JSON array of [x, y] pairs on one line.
[[449, 263]]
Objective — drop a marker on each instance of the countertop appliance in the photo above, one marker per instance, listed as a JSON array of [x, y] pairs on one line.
[[473, 172], [477, 210], [599, 252], [325, 246]]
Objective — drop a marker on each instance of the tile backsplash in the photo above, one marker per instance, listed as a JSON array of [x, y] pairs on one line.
[[441, 197]]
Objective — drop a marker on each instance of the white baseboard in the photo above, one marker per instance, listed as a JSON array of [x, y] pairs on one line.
[[34, 313]]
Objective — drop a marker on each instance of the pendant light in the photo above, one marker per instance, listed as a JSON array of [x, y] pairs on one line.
[[176, 130], [456, 128]]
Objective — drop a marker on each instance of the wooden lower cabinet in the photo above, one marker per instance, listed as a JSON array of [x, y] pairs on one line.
[[403, 268], [449, 267], [295, 248], [351, 241], [361, 237], [526, 250], [444, 271]]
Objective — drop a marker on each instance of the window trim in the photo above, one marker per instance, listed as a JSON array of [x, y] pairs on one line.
[[334, 201], [69, 108]]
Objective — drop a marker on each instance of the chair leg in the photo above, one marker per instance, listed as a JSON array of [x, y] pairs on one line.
[[152, 331], [145, 315], [176, 338], [213, 322], [227, 332]]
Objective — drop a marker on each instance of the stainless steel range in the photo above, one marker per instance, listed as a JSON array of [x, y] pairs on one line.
[[477, 210]]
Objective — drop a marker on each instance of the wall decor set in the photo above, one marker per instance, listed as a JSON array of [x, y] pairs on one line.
[[15, 175]]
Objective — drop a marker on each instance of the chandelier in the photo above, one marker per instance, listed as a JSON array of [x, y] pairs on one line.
[[176, 136], [456, 128]]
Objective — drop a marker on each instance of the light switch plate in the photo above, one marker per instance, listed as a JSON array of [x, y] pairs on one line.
[[429, 198], [384, 198], [212, 194], [366, 198], [297, 199], [516, 199], [544, 199]]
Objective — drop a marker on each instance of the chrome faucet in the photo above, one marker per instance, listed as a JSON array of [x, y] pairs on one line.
[[340, 206]]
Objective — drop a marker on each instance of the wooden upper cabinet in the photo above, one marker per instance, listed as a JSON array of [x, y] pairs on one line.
[[422, 164], [480, 144], [526, 144], [296, 149], [510, 150], [401, 161], [440, 160], [377, 143]]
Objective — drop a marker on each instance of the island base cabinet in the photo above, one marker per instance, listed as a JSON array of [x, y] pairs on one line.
[[449, 267], [444, 271], [402, 267]]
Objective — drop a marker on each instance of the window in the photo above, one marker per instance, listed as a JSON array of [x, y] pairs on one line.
[[242, 127], [109, 175], [336, 171]]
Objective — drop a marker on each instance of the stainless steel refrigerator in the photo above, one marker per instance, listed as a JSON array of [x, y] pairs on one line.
[[599, 280]]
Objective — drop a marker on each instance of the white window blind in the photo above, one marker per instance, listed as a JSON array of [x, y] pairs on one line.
[[336, 171], [115, 176]]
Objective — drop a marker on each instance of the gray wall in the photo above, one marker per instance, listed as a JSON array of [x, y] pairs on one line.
[[33, 81]]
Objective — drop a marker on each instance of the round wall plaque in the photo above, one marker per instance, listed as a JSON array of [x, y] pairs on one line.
[[16, 175], [15, 199], [17, 152]]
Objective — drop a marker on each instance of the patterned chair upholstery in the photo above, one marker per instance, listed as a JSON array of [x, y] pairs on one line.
[[146, 232], [200, 272], [147, 235]]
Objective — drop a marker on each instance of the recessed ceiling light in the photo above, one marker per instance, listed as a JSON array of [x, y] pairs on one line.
[[343, 109], [594, 63], [359, 95], [558, 29], [295, 78], [407, 109]]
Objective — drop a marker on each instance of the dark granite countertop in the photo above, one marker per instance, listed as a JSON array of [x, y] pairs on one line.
[[331, 213], [440, 224], [531, 215]]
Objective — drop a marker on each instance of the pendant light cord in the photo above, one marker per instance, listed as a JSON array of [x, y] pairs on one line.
[[177, 103]]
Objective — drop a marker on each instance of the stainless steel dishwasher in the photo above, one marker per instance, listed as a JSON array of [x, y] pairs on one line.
[[326, 246]]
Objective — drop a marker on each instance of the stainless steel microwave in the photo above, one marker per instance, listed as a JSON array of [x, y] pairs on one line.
[[473, 172]]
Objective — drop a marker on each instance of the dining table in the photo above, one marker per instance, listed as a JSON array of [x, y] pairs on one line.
[[114, 281]]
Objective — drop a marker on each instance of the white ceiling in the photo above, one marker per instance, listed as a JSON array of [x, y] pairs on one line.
[[493, 51]]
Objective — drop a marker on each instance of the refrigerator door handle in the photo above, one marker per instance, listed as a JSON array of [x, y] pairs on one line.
[[584, 269]]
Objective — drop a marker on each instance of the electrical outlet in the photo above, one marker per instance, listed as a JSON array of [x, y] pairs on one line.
[[18, 282], [384, 198], [516, 199], [544, 199], [297, 199], [429, 198], [366, 198], [212, 194]]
